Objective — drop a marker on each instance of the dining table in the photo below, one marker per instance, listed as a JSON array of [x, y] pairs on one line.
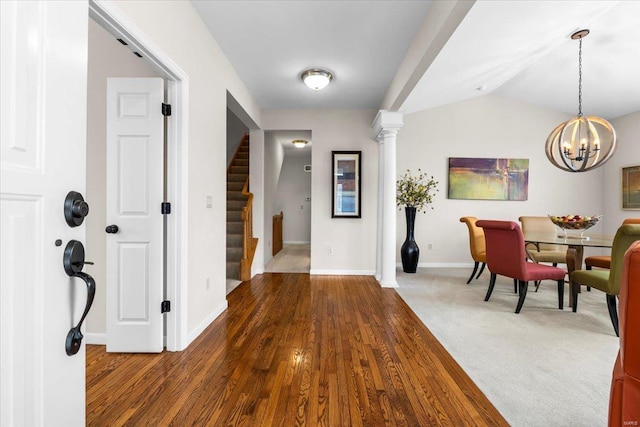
[[575, 247]]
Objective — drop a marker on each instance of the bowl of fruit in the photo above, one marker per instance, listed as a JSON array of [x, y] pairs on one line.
[[575, 222]]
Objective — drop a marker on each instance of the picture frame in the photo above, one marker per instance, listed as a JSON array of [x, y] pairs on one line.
[[346, 184], [631, 188]]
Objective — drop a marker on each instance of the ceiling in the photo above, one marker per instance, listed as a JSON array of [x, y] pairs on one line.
[[517, 49]]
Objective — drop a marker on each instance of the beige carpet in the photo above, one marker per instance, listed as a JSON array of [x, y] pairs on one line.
[[542, 367], [291, 259]]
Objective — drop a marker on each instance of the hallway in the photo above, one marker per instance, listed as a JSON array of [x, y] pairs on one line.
[[291, 259]]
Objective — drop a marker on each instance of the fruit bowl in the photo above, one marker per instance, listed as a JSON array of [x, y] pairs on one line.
[[575, 222]]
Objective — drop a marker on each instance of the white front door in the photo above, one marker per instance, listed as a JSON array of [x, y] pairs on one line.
[[135, 153], [43, 95]]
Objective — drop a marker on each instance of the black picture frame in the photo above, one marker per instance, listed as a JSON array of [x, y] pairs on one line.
[[346, 167]]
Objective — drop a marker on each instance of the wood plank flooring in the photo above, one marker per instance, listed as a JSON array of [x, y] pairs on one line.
[[294, 350]]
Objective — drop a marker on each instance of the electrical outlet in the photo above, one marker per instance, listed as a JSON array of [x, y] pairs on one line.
[[330, 250], [207, 284], [429, 246]]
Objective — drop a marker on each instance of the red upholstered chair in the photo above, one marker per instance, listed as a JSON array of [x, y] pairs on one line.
[[506, 256], [624, 400], [604, 261]]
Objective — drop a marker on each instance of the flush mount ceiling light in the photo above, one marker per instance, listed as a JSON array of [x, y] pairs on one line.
[[316, 78], [299, 143], [583, 142]]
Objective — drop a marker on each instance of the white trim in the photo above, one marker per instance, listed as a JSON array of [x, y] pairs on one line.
[[297, 243], [393, 284], [110, 17], [95, 339], [343, 272], [256, 271], [206, 322], [441, 265]]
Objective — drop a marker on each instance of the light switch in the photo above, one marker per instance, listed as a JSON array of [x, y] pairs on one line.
[[209, 202]]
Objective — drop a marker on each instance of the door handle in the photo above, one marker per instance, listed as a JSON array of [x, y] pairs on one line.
[[74, 337], [111, 229], [73, 262]]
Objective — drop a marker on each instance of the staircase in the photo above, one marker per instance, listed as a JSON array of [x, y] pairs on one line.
[[240, 242]]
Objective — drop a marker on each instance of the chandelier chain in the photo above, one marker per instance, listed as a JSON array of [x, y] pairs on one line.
[[580, 79]]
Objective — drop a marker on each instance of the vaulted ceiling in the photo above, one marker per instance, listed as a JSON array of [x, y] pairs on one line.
[[517, 49]]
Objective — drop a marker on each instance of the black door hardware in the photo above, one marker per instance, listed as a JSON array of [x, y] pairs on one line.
[[111, 229], [73, 261], [75, 209]]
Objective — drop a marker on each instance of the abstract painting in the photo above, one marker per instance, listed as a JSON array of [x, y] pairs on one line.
[[488, 179]]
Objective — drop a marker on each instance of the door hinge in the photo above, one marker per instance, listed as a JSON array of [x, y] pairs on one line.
[[166, 109], [165, 307], [166, 208]]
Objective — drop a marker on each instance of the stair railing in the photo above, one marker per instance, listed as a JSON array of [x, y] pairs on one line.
[[248, 243]]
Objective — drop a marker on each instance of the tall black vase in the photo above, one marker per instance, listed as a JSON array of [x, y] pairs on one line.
[[410, 252]]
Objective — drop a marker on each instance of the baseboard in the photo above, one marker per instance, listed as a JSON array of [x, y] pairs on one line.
[[441, 264], [343, 272], [297, 243], [95, 338], [206, 322]]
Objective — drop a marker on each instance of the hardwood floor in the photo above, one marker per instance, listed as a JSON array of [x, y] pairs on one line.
[[294, 350]]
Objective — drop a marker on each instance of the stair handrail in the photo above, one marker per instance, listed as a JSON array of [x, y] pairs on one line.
[[247, 222]]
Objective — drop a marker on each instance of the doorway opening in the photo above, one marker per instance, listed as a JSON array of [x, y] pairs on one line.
[[109, 18], [288, 212]]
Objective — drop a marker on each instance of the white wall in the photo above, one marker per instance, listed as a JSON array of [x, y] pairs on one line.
[[176, 28], [353, 240], [294, 187], [107, 58], [627, 154], [273, 158], [488, 126]]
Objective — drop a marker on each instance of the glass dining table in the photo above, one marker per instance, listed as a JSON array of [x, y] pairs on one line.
[[575, 247]]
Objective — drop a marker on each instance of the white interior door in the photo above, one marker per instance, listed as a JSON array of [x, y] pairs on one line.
[[43, 74], [135, 152]]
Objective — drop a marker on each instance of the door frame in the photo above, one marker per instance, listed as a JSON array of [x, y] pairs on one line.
[[111, 18]]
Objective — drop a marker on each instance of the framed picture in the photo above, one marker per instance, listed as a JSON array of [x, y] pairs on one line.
[[488, 179], [631, 187], [345, 186]]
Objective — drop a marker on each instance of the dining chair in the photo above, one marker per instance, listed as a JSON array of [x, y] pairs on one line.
[[542, 252], [624, 396], [607, 281], [476, 245], [604, 261], [506, 256]]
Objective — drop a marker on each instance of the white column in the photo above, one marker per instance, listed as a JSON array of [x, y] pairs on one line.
[[385, 129], [380, 217]]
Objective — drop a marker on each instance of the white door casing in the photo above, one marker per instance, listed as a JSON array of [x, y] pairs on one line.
[[43, 74], [134, 198]]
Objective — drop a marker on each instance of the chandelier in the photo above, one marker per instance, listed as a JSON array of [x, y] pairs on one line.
[[583, 142]]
